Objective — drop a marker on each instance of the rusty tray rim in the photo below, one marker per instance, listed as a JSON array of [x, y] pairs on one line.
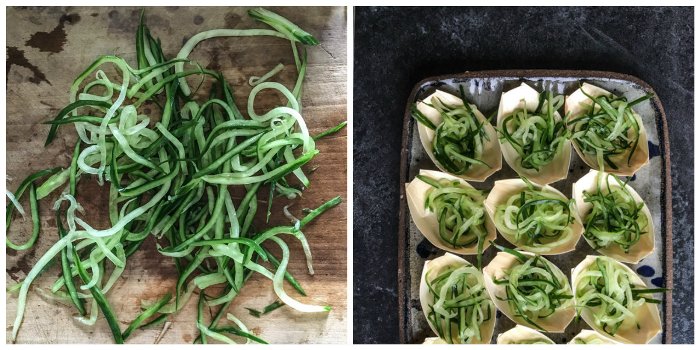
[[529, 74]]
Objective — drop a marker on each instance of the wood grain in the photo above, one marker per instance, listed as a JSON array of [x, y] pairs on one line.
[[35, 48]]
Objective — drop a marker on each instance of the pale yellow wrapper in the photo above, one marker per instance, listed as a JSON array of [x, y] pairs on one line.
[[522, 335], [591, 337], [433, 341]]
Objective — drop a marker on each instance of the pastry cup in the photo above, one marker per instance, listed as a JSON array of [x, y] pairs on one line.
[[588, 336], [577, 104], [500, 193], [522, 335], [433, 341], [496, 269], [432, 268], [427, 221], [638, 251], [647, 313], [526, 97], [491, 153]]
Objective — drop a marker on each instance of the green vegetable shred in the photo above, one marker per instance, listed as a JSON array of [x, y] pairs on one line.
[[191, 175]]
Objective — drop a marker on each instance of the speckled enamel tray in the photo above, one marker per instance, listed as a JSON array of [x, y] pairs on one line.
[[652, 182]]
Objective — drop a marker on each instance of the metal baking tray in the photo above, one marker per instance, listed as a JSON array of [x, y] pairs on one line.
[[484, 88]]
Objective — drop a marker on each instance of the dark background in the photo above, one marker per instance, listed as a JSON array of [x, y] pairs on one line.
[[397, 47]]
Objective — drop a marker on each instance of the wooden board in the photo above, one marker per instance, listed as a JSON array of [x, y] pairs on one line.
[[48, 47], [652, 182]]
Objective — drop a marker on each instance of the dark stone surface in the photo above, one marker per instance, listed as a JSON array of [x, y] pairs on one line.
[[397, 47]]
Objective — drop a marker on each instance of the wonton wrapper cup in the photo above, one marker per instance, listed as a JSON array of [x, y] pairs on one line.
[[426, 299], [588, 335], [577, 104], [491, 153], [554, 323], [513, 101], [647, 314], [503, 189], [433, 341], [639, 250], [521, 335], [427, 221]]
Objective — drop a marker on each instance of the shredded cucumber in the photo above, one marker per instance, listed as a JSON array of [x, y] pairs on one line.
[[607, 129], [535, 219], [615, 218], [169, 176], [460, 212], [13, 200], [461, 304], [536, 136], [35, 219], [459, 138], [605, 288], [535, 288]]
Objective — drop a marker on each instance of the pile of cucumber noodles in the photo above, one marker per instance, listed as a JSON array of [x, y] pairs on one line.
[[170, 177], [615, 217], [459, 138], [533, 288], [537, 137], [535, 218], [460, 213], [461, 304], [606, 288], [608, 129]]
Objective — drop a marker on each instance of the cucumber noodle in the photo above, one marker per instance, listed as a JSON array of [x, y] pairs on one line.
[[535, 288], [14, 202], [537, 137], [170, 178], [460, 213], [615, 218], [607, 129], [605, 288], [534, 219], [459, 139], [461, 304]]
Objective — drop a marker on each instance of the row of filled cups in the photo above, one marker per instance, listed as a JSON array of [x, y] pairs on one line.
[[460, 300], [605, 130], [456, 217]]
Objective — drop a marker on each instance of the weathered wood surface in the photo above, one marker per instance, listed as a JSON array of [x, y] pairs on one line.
[[48, 47]]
